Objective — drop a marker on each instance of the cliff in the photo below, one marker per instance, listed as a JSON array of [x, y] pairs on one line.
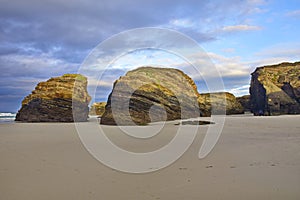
[[275, 89], [150, 94], [245, 102], [98, 108], [222, 102], [51, 101]]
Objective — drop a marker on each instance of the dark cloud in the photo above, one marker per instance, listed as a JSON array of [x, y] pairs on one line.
[[13, 90], [83, 24], [40, 39], [7, 50]]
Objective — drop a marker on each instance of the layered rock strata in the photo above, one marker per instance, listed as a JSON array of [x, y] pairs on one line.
[[60, 99], [275, 89]]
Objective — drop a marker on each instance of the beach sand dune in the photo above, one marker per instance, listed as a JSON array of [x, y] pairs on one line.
[[255, 158]]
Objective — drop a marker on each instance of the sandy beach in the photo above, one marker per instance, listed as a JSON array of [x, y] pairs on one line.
[[255, 158]]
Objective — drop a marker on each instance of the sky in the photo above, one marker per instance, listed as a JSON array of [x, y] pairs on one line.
[[43, 39]]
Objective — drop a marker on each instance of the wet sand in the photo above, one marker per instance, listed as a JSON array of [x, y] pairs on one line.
[[255, 158]]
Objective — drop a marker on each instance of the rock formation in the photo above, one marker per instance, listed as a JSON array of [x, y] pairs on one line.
[[150, 94], [204, 106], [275, 89], [51, 101], [245, 102], [222, 103], [98, 108]]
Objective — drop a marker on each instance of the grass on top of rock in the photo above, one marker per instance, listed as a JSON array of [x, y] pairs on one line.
[[78, 77]]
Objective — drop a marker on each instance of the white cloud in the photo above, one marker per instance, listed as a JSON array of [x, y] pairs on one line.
[[37, 66], [294, 13], [258, 3], [229, 66], [240, 91], [228, 50], [257, 11], [274, 54], [182, 23], [100, 83], [241, 27], [283, 50]]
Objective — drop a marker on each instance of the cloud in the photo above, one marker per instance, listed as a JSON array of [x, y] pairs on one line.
[[229, 66], [240, 91], [288, 51], [40, 39], [241, 27], [70, 29], [184, 23], [13, 91], [294, 13], [16, 66], [228, 50], [256, 2]]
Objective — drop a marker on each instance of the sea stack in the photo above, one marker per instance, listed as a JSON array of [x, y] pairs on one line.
[[151, 94], [275, 89], [56, 99], [245, 102], [98, 108], [221, 103]]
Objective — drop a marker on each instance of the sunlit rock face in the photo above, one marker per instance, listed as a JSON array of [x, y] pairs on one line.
[[56, 100], [151, 94], [98, 108], [275, 89], [221, 103]]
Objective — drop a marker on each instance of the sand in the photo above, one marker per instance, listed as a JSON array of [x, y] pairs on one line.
[[255, 158]]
